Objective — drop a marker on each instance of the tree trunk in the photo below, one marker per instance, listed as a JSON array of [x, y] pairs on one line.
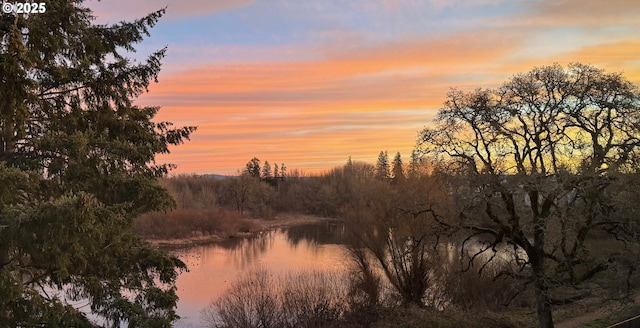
[[543, 303], [543, 307]]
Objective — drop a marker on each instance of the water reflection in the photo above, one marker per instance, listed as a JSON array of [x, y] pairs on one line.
[[214, 267], [243, 252], [322, 234]]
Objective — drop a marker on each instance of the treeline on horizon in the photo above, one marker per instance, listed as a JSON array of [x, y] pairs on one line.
[[214, 204]]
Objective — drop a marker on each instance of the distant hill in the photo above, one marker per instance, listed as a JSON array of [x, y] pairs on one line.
[[218, 176]]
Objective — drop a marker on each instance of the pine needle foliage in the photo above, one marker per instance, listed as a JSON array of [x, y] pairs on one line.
[[77, 165]]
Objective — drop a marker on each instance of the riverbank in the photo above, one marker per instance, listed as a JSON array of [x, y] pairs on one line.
[[598, 311], [243, 227]]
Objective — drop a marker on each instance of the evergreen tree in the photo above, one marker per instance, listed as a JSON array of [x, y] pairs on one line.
[[276, 171], [253, 168], [76, 167], [397, 169], [283, 171], [414, 165], [349, 162], [348, 167], [382, 166], [266, 170]]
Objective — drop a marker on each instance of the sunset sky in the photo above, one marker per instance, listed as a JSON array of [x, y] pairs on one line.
[[310, 83]]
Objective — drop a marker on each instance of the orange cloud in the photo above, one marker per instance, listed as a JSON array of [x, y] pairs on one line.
[[406, 74], [311, 142], [312, 115], [617, 56]]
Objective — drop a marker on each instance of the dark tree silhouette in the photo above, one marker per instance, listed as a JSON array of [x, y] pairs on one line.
[[547, 160], [253, 168], [382, 166], [397, 169], [76, 167]]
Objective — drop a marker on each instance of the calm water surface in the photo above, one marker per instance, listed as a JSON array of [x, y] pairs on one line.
[[213, 268]]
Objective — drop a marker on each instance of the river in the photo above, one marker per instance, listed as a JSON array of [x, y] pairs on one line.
[[214, 267]]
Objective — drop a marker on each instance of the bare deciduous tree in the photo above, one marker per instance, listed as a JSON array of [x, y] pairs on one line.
[[543, 156], [395, 239]]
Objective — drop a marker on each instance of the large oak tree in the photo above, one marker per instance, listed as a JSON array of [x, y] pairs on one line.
[[76, 167], [549, 167]]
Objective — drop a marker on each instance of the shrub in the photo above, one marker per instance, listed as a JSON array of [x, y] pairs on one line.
[[189, 222], [250, 302], [302, 299]]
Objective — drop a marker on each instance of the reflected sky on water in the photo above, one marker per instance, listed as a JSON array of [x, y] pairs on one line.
[[213, 268]]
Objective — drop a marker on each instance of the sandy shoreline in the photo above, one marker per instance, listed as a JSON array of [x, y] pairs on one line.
[[280, 221]]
